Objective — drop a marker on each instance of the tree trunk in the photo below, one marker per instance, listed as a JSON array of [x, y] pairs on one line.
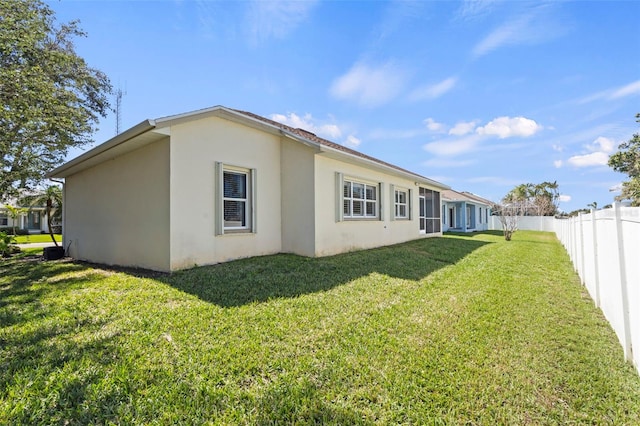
[[48, 211]]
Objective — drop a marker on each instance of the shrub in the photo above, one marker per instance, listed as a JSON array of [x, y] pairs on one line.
[[7, 244]]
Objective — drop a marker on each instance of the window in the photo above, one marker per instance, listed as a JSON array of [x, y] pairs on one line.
[[480, 215], [235, 189], [235, 199], [4, 219], [359, 200], [401, 204]]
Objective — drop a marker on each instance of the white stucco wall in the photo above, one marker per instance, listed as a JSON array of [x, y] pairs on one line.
[[117, 212], [196, 146], [334, 237], [298, 198]]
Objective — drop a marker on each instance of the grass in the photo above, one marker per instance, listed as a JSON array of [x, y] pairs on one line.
[[454, 330], [37, 238]]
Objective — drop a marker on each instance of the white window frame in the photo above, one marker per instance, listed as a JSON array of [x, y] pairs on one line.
[[397, 204], [250, 219], [245, 221], [348, 197]]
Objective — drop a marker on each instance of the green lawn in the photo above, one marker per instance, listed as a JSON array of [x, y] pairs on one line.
[[37, 238], [454, 330]]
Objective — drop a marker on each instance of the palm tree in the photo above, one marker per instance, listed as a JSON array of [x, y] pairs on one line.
[[14, 214], [51, 198], [593, 205]]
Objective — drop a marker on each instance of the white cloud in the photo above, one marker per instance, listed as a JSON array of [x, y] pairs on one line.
[[505, 127], [463, 127], [276, 18], [352, 141], [453, 146], [533, 28], [616, 188], [557, 147], [473, 8], [369, 86], [557, 164], [598, 155], [433, 125], [602, 144], [628, 90], [564, 198], [435, 90], [506, 34], [588, 160], [307, 122]]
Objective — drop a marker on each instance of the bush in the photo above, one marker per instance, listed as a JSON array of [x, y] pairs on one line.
[[7, 244], [9, 230]]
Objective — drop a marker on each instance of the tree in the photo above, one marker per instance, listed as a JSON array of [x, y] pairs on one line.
[[51, 99], [627, 160], [51, 198], [593, 205], [526, 199], [508, 214], [539, 199], [14, 214]]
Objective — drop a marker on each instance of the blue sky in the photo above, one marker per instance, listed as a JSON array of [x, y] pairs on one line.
[[481, 95]]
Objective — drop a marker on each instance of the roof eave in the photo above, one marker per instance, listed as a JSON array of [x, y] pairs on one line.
[[123, 137], [388, 168]]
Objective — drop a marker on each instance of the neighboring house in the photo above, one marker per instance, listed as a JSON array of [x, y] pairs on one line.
[[34, 221], [464, 212], [219, 184]]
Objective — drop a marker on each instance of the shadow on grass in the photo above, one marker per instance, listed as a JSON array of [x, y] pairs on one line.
[[259, 279]]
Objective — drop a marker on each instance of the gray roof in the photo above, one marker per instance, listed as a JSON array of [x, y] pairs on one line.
[[149, 131], [451, 195]]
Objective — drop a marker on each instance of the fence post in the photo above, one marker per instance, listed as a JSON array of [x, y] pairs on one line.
[[574, 250], [624, 292], [582, 262], [596, 268]]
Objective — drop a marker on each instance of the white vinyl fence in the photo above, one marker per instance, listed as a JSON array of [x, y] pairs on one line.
[[604, 247], [527, 223]]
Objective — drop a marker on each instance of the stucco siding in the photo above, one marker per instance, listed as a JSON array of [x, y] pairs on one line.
[[333, 236], [117, 212], [196, 147], [298, 198]]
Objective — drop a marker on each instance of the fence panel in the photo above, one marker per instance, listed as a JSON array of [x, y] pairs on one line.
[[526, 223], [604, 247]]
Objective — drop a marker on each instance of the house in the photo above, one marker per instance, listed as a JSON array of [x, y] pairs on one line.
[[32, 220], [464, 211], [219, 184]]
